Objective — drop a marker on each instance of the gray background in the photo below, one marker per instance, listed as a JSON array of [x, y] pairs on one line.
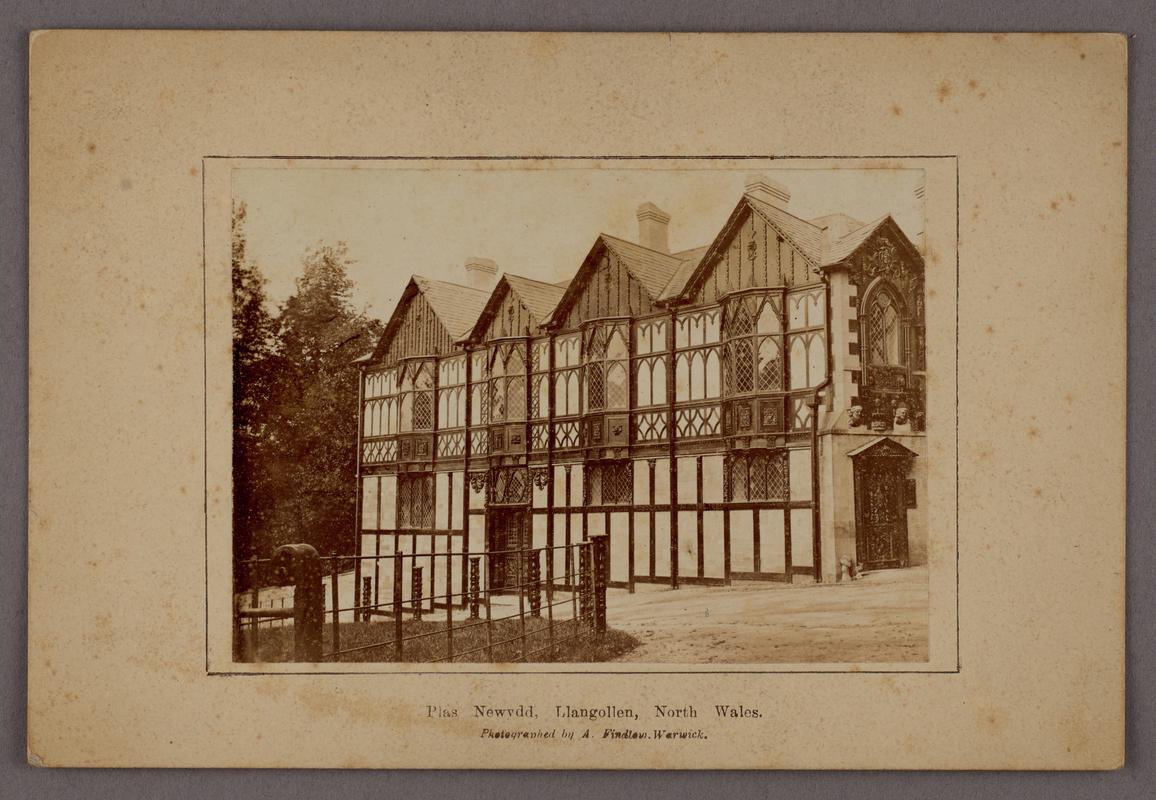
[[1136, 19]]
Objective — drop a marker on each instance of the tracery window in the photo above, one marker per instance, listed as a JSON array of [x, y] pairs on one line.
[[452, 392], [381, 412], [884, 329], [650, 366], [540, 379], [606, 354], [754, 345], [508, 383], [806, 339], [417, 400], [697, 363], [566, 367], [480, 389]]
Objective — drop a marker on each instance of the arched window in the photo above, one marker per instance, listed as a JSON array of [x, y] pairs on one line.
[[508, 384], [884, 329], [754, 346], [607, 381]]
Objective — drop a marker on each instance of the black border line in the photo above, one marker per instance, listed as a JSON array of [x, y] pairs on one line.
[[589, 673]]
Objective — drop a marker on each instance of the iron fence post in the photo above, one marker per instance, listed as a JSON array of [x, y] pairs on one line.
[[585, 583], [535, 570], [416, 591], [366, 597], [601, 578], [398, 646], [475, 587]]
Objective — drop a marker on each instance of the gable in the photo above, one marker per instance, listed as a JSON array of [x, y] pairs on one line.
[[508, 317], [749, 252], [604, 287], [887, 253], [883, 447], [413, 330]]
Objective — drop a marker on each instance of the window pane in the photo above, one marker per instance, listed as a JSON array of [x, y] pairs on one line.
[[423, 411], [817, 360], [743, 365], [682, 377], [595, 387], [617, 386], [798, 363], [515, 398], [770, 366], [768, 319], [658, 381], [644, 383], [617, 348], [698, 375], [713, 373], [498, 401]]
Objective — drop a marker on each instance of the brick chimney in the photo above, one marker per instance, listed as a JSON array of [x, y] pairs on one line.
[[480, 273], [652, 227], [769, 191]]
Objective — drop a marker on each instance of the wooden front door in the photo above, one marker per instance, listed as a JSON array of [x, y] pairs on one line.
[[881, 510], [509, 533]]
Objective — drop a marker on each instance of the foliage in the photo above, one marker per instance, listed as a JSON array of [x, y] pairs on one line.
[[295, 404]]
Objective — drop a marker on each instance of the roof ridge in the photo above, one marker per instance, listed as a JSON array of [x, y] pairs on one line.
[[783, 211], [639, 246]]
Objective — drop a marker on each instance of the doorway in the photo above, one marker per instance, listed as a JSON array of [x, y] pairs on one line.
[[509, 533], [881, 470]]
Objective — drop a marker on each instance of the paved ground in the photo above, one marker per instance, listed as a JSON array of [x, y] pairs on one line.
[[880, 618]]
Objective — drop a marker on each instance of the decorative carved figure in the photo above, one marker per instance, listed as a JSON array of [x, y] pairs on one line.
[[855, 416], [902, 422]]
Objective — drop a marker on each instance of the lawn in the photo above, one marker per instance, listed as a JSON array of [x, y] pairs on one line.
[[425, 641]]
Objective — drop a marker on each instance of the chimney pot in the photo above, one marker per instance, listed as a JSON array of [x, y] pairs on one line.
[[653, 227], [480, 273], [763, 188]]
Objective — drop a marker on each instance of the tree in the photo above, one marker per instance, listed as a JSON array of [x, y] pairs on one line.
[[312, 414], [253, 356]]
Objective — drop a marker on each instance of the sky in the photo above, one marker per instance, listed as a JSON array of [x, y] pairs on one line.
[[537, 219]]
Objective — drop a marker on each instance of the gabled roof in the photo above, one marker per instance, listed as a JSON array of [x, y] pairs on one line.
[[677, 282], [836, 226], [538, 297], [806, 237], [457, 306], [653, 269], [842, 249]]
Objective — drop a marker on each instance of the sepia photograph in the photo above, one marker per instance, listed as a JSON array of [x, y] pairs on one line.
[[577, 401], [526, 411]]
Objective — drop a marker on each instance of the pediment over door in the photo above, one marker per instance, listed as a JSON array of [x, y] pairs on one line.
[[883, 446]]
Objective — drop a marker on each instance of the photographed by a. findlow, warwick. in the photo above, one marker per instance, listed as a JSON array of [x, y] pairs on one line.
[[572, 412]]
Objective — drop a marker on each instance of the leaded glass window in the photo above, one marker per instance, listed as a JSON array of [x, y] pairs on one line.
[[607, 381], [883, 329], [754, 345]]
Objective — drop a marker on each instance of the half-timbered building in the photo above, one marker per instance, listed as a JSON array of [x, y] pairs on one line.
[[749, 409]]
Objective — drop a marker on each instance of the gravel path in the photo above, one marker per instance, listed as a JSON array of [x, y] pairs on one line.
[[880, 618]]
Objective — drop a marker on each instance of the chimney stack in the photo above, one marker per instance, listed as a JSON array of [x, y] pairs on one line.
[[763, 188], [652, 227], [480, 273]]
